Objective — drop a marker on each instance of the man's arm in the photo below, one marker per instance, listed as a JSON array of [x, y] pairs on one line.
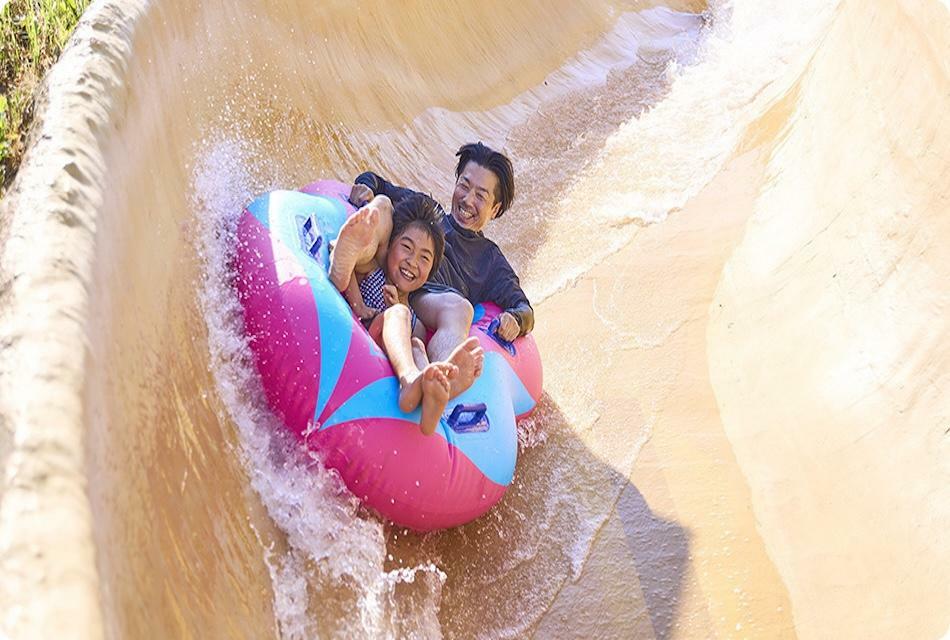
[[524, 316], [380, 186], [505, 291]]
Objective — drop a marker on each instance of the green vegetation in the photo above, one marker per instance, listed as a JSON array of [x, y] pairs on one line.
[[32, 35]]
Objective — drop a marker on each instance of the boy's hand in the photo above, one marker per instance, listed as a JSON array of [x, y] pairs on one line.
[[360, 195], [390, 295], [508, 327], [364, 312]]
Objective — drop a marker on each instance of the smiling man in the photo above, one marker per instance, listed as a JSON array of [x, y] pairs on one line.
[[474, 269]]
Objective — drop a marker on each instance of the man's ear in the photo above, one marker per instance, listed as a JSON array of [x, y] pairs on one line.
[[495, 210]]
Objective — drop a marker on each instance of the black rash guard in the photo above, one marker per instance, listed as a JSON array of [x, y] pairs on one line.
[[473, 265]]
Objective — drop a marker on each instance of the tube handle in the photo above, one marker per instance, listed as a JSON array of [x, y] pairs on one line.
[[492, 333], [310, 237], [469, 418]]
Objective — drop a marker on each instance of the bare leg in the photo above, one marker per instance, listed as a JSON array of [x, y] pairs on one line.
[[419, 353], [435, 395], [397, 326], [359, 240], [469, 357], [451, 316], [354, 242]]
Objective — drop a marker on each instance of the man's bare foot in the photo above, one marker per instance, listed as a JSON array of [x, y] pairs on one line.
[[469, 357], [354, 245], [435, 395], [412, 390]]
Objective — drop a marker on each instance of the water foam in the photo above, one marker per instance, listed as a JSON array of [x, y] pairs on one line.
[[651, 165], [646, 168], [330, 543]]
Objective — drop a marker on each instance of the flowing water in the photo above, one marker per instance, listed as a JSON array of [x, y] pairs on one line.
[[617, 115]]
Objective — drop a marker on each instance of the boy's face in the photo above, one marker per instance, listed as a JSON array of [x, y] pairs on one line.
[[410, 258], [473, 201]]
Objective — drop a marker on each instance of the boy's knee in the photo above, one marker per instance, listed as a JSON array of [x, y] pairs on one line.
[[397, 312]]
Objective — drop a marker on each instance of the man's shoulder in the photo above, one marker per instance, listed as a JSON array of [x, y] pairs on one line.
[[491, 243], [471, 239]]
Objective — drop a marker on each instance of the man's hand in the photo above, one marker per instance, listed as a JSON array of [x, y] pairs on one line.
[[390, 295], [508, 327], [360, 195]]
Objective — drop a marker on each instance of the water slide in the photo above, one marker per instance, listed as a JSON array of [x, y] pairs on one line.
[[732, 220]]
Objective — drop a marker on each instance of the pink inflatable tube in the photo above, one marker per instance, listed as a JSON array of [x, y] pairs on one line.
[[334, 388]]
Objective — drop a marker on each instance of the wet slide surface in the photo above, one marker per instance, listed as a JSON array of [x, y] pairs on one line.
[[732, 221]]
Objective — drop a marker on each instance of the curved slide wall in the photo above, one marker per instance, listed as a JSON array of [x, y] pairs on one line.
[[731, 218]]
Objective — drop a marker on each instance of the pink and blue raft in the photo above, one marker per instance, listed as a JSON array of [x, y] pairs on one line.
[[335, 390]]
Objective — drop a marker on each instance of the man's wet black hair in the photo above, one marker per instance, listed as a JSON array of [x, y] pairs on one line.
[[420, 211], [497, 163]]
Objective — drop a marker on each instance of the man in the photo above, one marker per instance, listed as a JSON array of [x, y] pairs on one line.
[[474, 269]]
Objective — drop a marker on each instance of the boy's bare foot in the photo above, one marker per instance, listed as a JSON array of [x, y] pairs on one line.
[[354, 242], [435, 395], [412, 391], [469, 357]]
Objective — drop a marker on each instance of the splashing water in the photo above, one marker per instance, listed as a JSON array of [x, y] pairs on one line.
[[331, 541]]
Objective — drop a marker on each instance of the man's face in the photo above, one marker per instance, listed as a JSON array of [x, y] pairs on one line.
[[473, 201]]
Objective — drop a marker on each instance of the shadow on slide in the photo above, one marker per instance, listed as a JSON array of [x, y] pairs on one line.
[[572, 545]]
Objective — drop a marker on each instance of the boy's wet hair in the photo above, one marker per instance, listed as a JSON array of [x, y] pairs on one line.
[[421, 211], [497, 163]]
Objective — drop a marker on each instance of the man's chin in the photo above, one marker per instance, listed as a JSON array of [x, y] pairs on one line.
[[464, 222]]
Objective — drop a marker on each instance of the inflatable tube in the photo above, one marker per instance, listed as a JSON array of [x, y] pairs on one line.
[[336, 392]]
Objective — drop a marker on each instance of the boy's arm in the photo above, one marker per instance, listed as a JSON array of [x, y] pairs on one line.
[[355, 298]]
